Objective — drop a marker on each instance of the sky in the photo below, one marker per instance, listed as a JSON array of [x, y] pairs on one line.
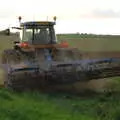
[[73, 16]]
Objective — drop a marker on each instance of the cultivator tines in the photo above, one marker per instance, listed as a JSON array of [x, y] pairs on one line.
[[58, 73], [84, 70]]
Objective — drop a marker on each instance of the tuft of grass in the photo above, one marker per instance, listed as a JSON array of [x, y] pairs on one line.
[[4, 95]]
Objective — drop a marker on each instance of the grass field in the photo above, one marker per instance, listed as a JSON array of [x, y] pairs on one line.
[[39, 106], [92, 43], [63, 106], [29, 106]]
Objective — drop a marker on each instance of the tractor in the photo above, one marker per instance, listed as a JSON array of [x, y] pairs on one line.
[[39, 61]]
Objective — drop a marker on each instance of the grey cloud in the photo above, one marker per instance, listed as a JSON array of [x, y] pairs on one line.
[[7, 13], [109, 13]]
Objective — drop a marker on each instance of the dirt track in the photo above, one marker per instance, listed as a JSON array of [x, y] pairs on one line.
[[91, 55]]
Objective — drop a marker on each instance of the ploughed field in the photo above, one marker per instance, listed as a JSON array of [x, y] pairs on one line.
[[93, 46]]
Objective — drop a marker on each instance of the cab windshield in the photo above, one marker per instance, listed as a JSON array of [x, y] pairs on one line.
[[27, 34], [43, 35]]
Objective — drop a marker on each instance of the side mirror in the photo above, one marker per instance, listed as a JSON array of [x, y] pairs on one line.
[[7, 31], [54, 18], [15, 42]]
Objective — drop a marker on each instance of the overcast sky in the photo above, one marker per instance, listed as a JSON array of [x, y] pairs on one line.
[[83, 16]]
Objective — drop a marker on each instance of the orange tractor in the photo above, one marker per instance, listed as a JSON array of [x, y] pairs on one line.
[[38, 61]]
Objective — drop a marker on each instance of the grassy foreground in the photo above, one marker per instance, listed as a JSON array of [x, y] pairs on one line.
[[36, 106]]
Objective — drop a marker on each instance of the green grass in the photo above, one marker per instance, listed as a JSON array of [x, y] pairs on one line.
[[36, 106], [29, 106]]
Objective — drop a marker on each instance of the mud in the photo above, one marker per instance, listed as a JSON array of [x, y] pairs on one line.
[[93, 85], [93, 55], [1, 76]]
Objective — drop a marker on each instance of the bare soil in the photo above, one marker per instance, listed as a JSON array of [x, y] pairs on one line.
[[95, 55]]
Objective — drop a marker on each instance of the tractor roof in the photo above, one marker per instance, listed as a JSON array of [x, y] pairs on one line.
[[37, 23]]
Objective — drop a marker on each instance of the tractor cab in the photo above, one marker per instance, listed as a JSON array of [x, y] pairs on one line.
[[38, 33], [40, 38]]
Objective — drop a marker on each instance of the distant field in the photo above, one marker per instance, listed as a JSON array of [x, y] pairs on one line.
[[7, 41], [83, 42], [92, 43]]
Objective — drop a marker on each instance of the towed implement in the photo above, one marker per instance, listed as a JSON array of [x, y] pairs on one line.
[[37, 61]]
